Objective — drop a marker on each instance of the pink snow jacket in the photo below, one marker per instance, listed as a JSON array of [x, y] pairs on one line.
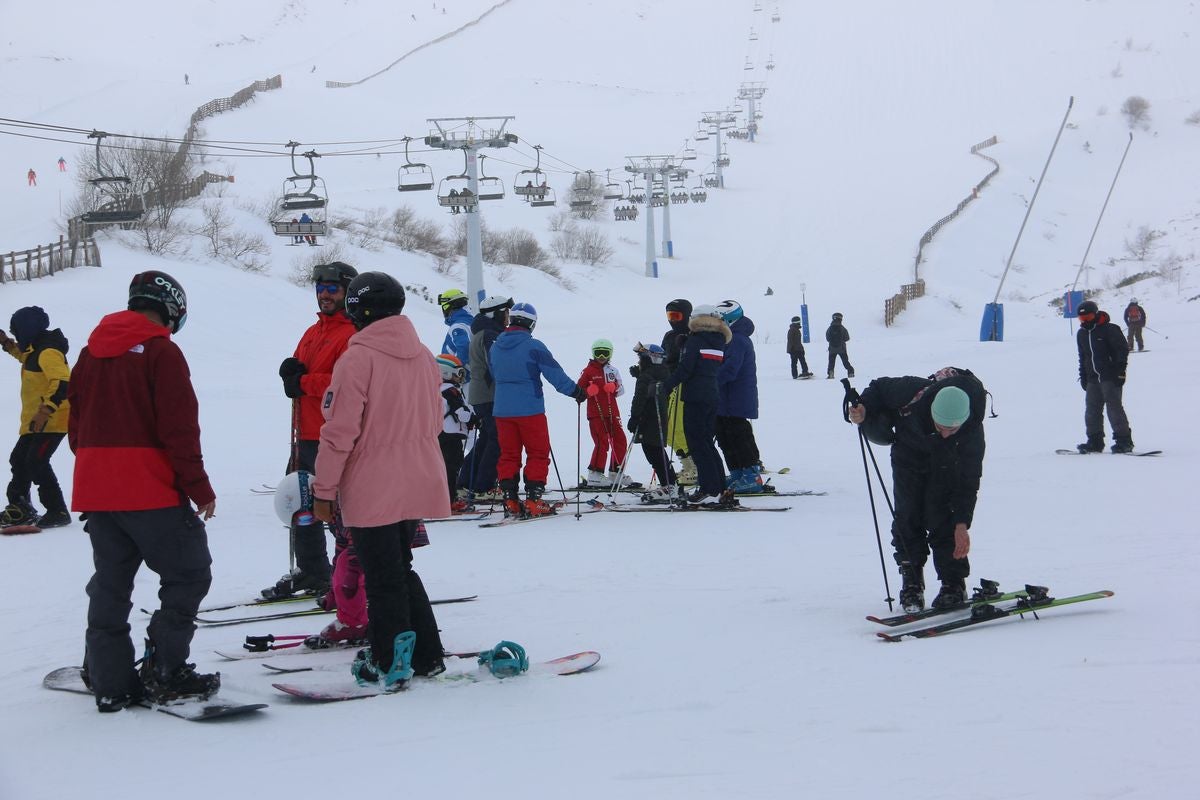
[[379, 445]]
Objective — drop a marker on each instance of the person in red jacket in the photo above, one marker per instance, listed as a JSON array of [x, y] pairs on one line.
[[602, 383], [306, 376], [135, 431]]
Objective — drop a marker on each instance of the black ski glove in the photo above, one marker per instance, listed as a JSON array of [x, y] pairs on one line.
[[580, 395], [291, 371]]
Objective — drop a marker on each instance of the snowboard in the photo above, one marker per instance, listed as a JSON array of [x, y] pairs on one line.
[[1065, 452], [70, 679], [347, 689], [16, 530]]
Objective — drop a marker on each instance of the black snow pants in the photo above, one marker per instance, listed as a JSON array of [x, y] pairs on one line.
[[30, 461], [699, 426], [312, 554], [924, 522], [735, 437], [173, 543], [452, 455]]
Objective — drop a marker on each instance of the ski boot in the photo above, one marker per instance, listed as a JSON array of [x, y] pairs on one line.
[[727, 499], [912, 588], [618, 480], [54, 519], [849, 372], [535, 506], [952, 594], [335, 633], [747, 481], [1123, 444], [687, 472], [19, 513], [164, 686], [295, 582], [1092, 445], [367, 673], [657, 496], [595, 478], [512, 499]]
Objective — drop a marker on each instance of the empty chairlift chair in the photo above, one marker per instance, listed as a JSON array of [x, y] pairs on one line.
[[489, 188], [413, 177], [112, 201]]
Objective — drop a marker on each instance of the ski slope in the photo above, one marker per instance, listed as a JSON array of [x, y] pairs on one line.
[[737, 662]]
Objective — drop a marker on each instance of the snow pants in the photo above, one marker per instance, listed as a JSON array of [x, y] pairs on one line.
[[924, 523], [173, 543], [30, 461], [798, 357], [699, 424], [478, 471], [833, 355], [530, 434], [1102, 396], [396, 598], [735, 437], [607, 434], [676, 435], [312, 555], [452, 456], [1135, 334], [347, 583]]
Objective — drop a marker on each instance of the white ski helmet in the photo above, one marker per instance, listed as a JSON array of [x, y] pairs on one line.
[[294, 499]]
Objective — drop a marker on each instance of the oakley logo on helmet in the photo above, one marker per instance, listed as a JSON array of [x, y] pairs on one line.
[[176, 294]]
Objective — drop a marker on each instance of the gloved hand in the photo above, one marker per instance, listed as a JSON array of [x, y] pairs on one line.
[[634, 370], [473, 422], [7, 343], [631, 425], [610, 387], [37, 423], [592, 390], [1120, 380], [1083, 382], [323, 509], [580, 395], [291, 371]]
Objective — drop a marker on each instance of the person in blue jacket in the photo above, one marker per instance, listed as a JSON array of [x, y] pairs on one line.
[[737, 402], [458, 328], [699, 364], [518, 362]]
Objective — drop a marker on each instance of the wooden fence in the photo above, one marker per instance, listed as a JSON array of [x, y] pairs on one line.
[[47, 259], [898, 302]]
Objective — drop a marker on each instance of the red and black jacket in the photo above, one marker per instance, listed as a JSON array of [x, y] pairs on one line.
[[319, 349]]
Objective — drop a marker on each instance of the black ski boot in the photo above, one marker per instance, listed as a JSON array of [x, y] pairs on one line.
[[54, 519], [1092, 445], [19, 513], [952, 594], [912, 588], [1122, 444], [179, 684], [512, 500]]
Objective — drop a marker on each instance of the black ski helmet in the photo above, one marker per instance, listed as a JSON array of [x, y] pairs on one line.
[[795, 319], [372, 296], [334, 272], [1087, 307], [159, 292], [682, 306]]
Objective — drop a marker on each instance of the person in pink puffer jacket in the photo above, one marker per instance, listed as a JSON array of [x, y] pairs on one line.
[[379, 456]]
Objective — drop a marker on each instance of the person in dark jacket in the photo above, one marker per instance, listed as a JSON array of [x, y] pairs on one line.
[[679, 313], [45, 378], [795, 349], [1103, 357], [935, 428], [134, 428], [837, 336], [699, 363], [737, 402], [648, 418], [1135, 320], [478, 473], [306, 375]]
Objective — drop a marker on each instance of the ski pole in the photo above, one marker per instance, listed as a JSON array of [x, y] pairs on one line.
[[1147, 327], [293, 465], [852, 398], [673, 488], [578, 447]]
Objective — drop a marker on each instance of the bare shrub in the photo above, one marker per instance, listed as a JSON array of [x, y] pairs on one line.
[[1193, 118], [565, 243], [1137, 111], [519, 246], [411, 233], [489, 241], [558, 221], [301, 274], [1143, 242], [587, 196], [594, 247]]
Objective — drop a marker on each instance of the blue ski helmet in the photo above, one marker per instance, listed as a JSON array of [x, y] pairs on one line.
[[524, 315]]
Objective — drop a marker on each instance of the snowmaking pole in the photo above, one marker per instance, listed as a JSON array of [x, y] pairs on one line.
[[472, 134], [992, 329], [1068, 306]]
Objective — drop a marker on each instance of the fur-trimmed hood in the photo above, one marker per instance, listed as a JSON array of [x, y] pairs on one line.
[[697, 324]]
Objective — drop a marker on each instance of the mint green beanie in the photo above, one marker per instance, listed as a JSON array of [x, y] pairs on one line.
[[951, 407]]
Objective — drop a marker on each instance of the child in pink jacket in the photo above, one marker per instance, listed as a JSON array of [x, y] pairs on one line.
[[379, 456]]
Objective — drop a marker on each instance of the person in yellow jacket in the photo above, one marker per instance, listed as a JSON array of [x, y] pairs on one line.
[[44, 410]]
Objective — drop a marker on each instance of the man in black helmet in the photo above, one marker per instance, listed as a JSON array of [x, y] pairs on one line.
[[135, 431], [306, 375], [795, 349], [837, 336], [1103, 356]]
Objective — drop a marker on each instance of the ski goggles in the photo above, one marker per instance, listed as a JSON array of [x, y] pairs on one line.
[[328, 288], [602, 353], [675, 316]]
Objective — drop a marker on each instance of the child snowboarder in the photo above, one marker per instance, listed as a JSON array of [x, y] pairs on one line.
[[648, 419], [44, 411], [602, 382], [837, 336], [457, 420]]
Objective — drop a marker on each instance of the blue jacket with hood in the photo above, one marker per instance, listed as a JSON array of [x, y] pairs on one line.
[[518, 362]]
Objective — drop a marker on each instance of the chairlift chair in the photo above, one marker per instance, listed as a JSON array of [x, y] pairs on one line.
[[753, 35], [771, 62], [544, 199], [303, 191], [413, 177], [489, 188], [112, 198], [612, 189], [530, 184], [581, 196], [749, 66]]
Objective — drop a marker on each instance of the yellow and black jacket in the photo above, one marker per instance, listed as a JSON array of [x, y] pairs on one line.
[[44, 378]]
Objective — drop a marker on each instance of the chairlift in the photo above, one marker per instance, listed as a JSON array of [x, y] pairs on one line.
[[753, 35], [112, 198], [612, 189], [701, 134], [530, 184], [489, 188], [581, 196], [749, 66], [544, 198], [770, 62], [303, 192], [413, 177], [689, 153], [775, 16], [454, 191]]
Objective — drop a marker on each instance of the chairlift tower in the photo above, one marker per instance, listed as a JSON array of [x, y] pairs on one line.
[[751, 93], [716, 122], [471, 134], [652, 168]]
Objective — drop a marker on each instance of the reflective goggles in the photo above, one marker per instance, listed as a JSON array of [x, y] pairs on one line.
[[675, 316], [602, 353], [328, 288]]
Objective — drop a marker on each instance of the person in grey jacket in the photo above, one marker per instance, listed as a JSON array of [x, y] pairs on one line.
[[478, 473]]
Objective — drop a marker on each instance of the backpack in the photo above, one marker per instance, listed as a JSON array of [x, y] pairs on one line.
[[880, 428], [1133, 316]]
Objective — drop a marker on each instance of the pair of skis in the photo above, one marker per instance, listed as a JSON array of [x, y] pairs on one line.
[[984, 606], [308, 612]]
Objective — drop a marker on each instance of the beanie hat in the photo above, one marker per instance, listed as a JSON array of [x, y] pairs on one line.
[[951, 407], [795, 319], [27, 324]]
